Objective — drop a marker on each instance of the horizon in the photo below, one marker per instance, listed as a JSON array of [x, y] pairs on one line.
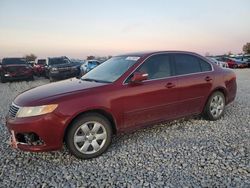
[[78, 29]]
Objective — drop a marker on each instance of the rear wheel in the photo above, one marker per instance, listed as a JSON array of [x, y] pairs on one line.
[[215, 106], [89, 136]]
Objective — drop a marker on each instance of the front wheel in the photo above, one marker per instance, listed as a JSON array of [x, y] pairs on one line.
[[215, 106], [3, 80], [89, 136], [31, 78], [51, 79]]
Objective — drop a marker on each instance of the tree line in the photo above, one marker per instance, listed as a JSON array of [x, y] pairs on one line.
[[32, 57]]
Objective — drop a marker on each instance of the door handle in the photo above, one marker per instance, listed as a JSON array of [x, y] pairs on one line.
[[208, 78], [170, 85]]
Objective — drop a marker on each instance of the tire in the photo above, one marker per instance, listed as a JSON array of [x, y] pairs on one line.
[[215, 106], [51, 79], [3, 80], [46, 75], [81, 137], [31, 78]]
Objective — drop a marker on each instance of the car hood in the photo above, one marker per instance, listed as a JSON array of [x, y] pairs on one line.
[[40, 94]]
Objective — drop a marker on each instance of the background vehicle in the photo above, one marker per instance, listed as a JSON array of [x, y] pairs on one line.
[[15, 69], [77, 61], [232, 63], [88, 66], [39, 67], [124, 93], [31, 63], [61, 68], [219, 63], [247, 59]]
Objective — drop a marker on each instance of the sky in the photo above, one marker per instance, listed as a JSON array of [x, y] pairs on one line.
[[79, 28]]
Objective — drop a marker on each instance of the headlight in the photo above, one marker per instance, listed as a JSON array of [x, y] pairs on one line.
[[54, 69], [36, 110]]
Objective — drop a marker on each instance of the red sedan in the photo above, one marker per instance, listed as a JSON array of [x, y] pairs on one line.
[[124, 93]]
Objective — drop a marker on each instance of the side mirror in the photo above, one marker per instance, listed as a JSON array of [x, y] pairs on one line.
[[139, 77]]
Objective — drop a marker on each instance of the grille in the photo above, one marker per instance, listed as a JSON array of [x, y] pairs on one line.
[[13, 110], [64, 68]]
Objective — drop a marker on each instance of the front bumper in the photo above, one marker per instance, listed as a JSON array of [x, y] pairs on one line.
[[49, 128], [18, 77], [66, 74], [242, 65]]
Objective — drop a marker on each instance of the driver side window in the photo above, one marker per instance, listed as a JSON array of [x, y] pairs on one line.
[[157, 66]]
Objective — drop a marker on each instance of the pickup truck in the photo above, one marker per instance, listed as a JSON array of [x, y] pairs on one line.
[[61, 68]]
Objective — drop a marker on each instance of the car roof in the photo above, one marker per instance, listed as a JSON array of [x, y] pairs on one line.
[[61, 57], [146, 53]]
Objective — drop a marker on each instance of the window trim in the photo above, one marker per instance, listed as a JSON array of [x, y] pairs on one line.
[[170, 53]]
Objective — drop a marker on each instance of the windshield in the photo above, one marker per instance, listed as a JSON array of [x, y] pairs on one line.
[[14, 61], [93, 63], [41, 61], [56, 61], [111, 70]]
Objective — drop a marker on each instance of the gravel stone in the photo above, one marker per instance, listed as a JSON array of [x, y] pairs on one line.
[[190, 152]]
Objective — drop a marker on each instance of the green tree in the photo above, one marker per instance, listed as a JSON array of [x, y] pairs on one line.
[[30, 57], [246, 48]]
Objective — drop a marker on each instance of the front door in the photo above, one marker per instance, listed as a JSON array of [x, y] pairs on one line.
[[155, 99]]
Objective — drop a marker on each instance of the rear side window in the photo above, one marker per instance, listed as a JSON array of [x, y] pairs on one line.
[[188, 64], [205, 66]]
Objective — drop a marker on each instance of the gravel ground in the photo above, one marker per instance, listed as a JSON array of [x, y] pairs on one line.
[[188, 152]]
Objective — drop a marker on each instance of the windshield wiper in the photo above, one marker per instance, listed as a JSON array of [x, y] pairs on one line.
[[94, 80]]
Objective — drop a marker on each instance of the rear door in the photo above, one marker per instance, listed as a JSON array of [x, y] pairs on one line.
[[195, 78]]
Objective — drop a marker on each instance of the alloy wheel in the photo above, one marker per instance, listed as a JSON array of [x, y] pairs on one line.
[[217, 106], [90, 137]]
